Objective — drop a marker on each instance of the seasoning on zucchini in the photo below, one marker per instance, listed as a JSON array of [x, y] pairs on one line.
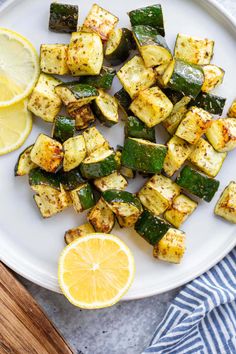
[[82, 197], [159, 71], [118, 46], [149, 15], [71, 179], [222, 134], [124, 101], [206, 159], [63, 128], [63, 17], [193, 49], [142, 155], [213, 77], [152, 45], [158, 194], [151, 227], [101, 217], [232, 110], [211, 103], [75, 94], [152, 106], [135, 77], [197, 184], [135, 128], [79, 231], [194, 125], [24, 163], [226, 205], [39, 177], [94, 140], [53, 59], [47, 153], [171, 247], [181, 208], [74, 152], [102, 81], [105, 108], [83, 116], [112, 181]]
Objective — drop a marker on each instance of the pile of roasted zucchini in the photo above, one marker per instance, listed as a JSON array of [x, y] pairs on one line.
[[158, 86]]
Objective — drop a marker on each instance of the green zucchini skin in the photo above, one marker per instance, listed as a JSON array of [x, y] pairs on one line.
[[37, 176], [120, 196], [124, 101], [145, 35], [151, 227], [70, 180], [64, 128], [79, 90], [174, 96], [143, 158], [210, 103], [150, 16], [63, 17], [130, 38], [100, 168], [103, 80], [105, 120], [121, 52], [86, 197], [135, 128], [197, 184], [25, 169]]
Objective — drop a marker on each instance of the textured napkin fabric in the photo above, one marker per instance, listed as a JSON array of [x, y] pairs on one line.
[[202, 318]]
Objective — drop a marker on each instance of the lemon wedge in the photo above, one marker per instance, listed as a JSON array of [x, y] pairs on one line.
[[95, 270]]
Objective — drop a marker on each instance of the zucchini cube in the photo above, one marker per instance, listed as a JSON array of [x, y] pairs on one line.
[[44, 102], [194, 125], [101, 217], [135, 77], [226, 205], [100, 21], [180, 210], [82, 197], [193, 49], [151, 106], [74, 152], [178, 113], [63, 17], [171, 247], [222, 134], [85, 54], [94, 140], [47, 153], [213, 77], [158, 194], [24, 163], [232, 110], [53, 59], [105, 108], [83, 116], [206, 159], [75, 95], [112, 181], [82, 230]]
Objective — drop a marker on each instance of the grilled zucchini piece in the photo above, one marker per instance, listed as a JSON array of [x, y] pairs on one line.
[[152, 106], [100, 163], [210, 103], [105, 108], [197, 184], [100, 21], [102, 81], [74, 152], [148, 16], [127, 172], [112, 181], [177, 153], [222, 134], [181, 208], [135, 128], [47, 153], [135, 77], [44, 102], [124, 101], [82, 197], [232, 110], [79, 231], [151, 227], [75, 95], [63, 17], [159, 71], [193, 49], [158, 194], [194, 125], [152, 46], [118, 46], [39, 177], [53, 59], [206, 159], [171, 247], [83, 116], [101, 217], [85, 54], [213, 77], [63, 129], [226, 205], [94, 140], [70, 180], [24, 163]]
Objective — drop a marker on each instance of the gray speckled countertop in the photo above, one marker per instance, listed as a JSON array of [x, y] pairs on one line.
[[126, 328]]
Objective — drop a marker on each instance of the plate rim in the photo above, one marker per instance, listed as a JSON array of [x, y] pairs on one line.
[[220, 10]]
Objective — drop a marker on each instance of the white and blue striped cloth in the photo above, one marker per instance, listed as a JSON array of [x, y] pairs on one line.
[[202, 318]]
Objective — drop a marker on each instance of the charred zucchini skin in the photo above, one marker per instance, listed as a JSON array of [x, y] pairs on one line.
[[149, 15], [197, 184], [143, 158], [64, 128], [86, 197], [70, 180], [37, 176], [103, 80], [121, 52], [151, 227], [100, 168], [119, 196], [63, 17], [135, 128], [210, 103]]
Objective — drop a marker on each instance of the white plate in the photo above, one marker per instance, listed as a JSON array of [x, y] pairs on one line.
[[31, 245]]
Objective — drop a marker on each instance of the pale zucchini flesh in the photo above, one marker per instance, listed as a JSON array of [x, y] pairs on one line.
[[101, 217], [222, 134], [112, 181], [106, 108], [74, 152], [226, 205], [232, 110], [53, 59], [24, 163], [94, 140], [79, 231], [181, 208], [213, 77], [177, 114]]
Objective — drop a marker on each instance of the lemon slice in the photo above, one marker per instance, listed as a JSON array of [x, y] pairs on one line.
[[19, 67], [15, 126], [95, 271]]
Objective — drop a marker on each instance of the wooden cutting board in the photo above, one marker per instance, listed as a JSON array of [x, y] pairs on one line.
[[24, 328]]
